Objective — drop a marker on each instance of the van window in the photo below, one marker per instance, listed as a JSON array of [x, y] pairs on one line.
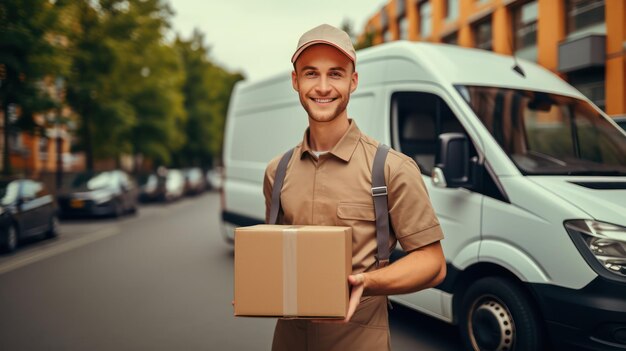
[[420, 118], [549, 134]]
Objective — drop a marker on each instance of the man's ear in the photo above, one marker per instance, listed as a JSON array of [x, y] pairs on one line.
[[294, 80], [355, 82]]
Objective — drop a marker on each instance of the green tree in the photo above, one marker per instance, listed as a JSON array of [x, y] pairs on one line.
[[207, 92], [221, 93], [126, 82], [30, 49], [93, 85], [153, 77]]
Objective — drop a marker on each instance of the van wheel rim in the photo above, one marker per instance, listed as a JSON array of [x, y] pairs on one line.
[[491, 327]]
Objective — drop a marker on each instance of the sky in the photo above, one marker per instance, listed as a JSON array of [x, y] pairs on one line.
[[258, 37]]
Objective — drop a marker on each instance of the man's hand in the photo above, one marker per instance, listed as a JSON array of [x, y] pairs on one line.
[[357, 282]]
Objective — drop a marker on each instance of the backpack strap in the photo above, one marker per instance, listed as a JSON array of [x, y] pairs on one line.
[[379, 193], [279, 178]]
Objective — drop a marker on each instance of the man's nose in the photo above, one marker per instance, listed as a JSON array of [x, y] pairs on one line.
[[323, 86]]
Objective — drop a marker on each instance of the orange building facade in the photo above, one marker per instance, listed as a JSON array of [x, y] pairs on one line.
[[32, 153], [583, 41]]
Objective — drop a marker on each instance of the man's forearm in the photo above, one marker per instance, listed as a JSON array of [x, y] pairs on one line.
[[420, 269]]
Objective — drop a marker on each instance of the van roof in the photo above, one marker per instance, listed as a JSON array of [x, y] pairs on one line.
[[451, 64], [405, 61]]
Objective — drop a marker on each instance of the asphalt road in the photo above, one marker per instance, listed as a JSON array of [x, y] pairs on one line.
[[159, 280]]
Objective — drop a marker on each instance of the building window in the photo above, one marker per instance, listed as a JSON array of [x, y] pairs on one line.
[[452, 10], [384, 19], [525, 25], [483, 35], [403, 26], [452, 39], [583, 13], [400, 8], [425, 13], [387, 36], [591, 83], [43, 147]]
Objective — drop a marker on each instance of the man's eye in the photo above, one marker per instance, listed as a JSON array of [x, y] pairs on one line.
[[309, 74], [335, 74]]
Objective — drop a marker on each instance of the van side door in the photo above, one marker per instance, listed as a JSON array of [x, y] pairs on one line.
[[419, 113]]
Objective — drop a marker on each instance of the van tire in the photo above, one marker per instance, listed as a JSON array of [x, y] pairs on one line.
[[497, 315]]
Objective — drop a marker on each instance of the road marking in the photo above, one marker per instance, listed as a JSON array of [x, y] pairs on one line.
[[88, 238]]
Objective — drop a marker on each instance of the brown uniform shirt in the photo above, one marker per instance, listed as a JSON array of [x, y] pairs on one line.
[[336, 190]]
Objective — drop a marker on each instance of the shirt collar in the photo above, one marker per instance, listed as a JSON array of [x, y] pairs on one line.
[[343, 149]]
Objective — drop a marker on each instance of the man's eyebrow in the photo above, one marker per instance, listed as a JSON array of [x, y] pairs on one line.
[[338, 69]]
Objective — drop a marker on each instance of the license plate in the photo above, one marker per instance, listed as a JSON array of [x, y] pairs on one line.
[[77, 203]]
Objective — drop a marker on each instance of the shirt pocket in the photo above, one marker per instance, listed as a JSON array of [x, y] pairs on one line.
[[347, 212]]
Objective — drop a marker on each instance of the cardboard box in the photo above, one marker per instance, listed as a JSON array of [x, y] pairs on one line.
[[292, 271]]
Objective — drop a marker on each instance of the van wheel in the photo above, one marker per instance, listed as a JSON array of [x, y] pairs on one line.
[[496, 315]]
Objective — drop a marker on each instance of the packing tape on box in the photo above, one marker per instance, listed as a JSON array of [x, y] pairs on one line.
[[290, 272]]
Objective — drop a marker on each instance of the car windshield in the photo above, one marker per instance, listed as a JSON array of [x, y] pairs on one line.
[[549, 134], [94, 181], [147, 179]]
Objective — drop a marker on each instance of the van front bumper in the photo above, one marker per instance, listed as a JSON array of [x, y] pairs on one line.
[[591, 318]]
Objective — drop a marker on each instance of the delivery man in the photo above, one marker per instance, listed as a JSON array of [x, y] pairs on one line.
[[328, 182]]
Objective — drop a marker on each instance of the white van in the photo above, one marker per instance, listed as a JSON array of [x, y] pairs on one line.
[[527, 176]]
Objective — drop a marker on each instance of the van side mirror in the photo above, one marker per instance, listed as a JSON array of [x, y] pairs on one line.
[[452, 161]]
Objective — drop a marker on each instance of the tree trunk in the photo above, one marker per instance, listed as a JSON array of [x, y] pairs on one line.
[[6, 160], [88, 142]]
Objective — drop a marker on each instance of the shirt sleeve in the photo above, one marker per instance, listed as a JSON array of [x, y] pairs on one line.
[[412, 216]]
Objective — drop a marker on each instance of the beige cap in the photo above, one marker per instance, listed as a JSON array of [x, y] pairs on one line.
[[326, 34]]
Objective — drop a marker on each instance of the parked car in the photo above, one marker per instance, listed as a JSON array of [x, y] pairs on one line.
[[195, 183], [26, 209], [174, 185], [214, 178], [152, 187], [110, 193], [527, 177]]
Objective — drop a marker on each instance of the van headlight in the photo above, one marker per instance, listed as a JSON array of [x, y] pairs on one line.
[[602, 244]]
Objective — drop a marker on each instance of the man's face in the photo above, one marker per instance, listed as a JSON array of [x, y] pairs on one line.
[[324, 79]]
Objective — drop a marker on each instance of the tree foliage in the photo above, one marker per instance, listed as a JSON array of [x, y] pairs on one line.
[[29, 50], [207, 91], [133, 90]]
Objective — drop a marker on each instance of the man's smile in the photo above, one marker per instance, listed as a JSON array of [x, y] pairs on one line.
[[324, 101]]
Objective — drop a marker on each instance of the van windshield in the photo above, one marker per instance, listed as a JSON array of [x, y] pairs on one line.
[[549, 134]]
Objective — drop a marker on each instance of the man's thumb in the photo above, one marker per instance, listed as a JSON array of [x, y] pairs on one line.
[[356, 279]]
